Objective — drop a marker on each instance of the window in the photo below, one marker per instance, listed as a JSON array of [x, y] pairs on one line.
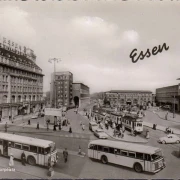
[[100, 148], [25, 147], [132, 154], [139, 155], [147, 157], [33, 149], [111, 150], [106, 149], [124, 153], [47, 150], [18, 146], [117, 151], [95, 147], [1, 142], [40, 150]]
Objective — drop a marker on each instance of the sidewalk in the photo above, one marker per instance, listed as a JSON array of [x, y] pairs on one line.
[[161, 128], [32, 172]]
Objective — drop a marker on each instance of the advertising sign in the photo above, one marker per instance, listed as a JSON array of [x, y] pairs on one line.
[[53, 112]]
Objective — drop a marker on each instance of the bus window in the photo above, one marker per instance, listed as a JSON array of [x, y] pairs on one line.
[[91, 146], [117, 151], [95, 147], [47, 150], [106, 149], [25, 148], [124, 153], [100, 148], [139, 155], [132, 154], [18, 146], [1, 142], [147, 157], [111, 150], [33, 149]]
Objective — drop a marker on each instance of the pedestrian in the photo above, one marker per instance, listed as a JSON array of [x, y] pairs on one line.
[[23, 159], [47, 125], [11, 161], [65, 155], [166, 116], [54, 129], [70, 129], [6, 126], [29, 122], [23, 124], [83, 127], [59, 125], [37, 125]]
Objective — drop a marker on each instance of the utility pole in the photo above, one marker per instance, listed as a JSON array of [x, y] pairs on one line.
[[174, 107], [54, 60]]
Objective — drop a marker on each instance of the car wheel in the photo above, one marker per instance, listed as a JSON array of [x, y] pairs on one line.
[[104, 159], [138, 168], [177, 141], [31, 160], [163, 142]]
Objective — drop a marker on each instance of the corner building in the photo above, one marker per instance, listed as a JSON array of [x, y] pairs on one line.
[[21, 80], [81, 94]]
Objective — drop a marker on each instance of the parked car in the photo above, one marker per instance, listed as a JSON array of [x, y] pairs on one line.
[[100, 134], [170, 138], [35, 116], [93, 126], [168, 107]]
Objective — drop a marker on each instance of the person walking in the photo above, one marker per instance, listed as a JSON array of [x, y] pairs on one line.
[[166, 116], [54, 129], [65, 155], [29, 122], [47, 125], [37, 125], [70, 129], [59, 125], [6, 126], [11, 161], [23, 159], [23, 124], [83, 127]]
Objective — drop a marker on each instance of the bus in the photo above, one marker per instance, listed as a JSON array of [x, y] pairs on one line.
[[37, 151], [140, 157]]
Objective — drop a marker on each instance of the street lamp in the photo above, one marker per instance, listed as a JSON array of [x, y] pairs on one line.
[[174, 106], [55, 60]]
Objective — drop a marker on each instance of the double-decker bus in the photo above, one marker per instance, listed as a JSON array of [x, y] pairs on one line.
[[137, 156], [37, 151]]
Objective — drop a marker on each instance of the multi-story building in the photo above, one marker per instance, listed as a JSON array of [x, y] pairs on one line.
[[131, 97], [169, 95], [61, 89], [81, 94], [21, 80]]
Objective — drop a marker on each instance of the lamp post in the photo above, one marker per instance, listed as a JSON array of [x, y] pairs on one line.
[[174, 106], [54, 60]]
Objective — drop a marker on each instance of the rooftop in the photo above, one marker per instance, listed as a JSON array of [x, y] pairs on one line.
[[128, 91]]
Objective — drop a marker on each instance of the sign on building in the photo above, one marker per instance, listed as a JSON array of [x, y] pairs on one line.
[[53, 112]]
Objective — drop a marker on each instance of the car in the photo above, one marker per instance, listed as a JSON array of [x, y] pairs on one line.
[[35, 116], [168, 107], [170, 138], [93, 126], [100, 134]]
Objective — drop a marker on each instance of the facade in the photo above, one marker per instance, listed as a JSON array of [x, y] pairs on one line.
[[61, 89], [169, 95], [131, 97], [21, 80], [81, 94]]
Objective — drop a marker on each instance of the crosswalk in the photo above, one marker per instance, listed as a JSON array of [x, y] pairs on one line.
[[73, 136]]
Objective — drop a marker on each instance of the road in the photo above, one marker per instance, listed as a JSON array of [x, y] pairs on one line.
[[83, 167]]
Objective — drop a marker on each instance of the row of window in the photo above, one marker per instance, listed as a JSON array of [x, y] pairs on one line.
[[30, 148], [121, 152]]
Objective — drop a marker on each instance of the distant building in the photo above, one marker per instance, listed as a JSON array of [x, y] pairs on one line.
[[169, 95], [61, 89], [21, 80], [131, 97], [81, 95]]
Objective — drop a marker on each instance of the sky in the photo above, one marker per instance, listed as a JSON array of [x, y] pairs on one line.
[[94, 40]]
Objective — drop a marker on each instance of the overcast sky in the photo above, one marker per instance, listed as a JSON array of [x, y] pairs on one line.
[[95, 38]]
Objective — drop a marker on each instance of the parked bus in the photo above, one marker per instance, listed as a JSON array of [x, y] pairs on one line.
[[139, 157], [37, 151]]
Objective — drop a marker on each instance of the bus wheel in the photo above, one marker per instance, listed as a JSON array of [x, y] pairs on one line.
[[104, 159], [31, 160], [138, 167]]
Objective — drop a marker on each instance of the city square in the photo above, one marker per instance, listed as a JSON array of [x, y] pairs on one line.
[[74, 101]]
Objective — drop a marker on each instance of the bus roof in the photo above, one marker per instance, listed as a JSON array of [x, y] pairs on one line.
[[127, 146], [25, 140]]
